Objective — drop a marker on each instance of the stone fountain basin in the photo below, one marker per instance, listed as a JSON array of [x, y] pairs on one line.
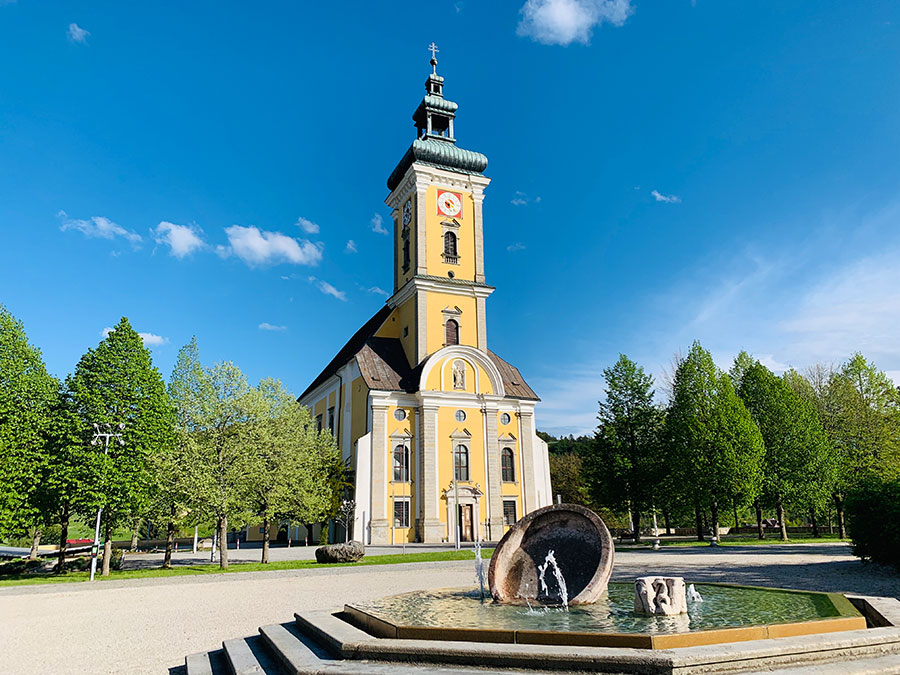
[[458, 615]]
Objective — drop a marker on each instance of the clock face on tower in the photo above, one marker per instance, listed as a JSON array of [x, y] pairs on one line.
[[449, 204], [407, 212]]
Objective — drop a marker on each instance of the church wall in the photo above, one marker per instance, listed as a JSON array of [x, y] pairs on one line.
[[465, 269], [468, 320], [447, 425], [402, 489]]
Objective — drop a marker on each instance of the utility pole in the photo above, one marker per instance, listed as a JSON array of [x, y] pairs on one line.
[[102, 434]]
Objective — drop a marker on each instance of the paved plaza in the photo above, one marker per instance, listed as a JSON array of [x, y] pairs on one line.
[[149, 625]]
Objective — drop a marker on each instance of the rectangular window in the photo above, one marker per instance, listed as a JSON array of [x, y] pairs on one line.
[[461, 462], [401, 464], [509, 512], [318, 423], [401, 511], [331, 419]]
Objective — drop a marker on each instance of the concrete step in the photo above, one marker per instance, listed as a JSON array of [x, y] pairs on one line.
[[293, 653], [251, 656], [207, 663], [876, 665]]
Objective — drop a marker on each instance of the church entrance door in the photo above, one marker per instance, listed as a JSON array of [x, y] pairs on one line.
[[465, 519]]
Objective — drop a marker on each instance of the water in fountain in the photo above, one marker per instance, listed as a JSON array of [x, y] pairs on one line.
[[550, 561], [693, 595], [479, 569]]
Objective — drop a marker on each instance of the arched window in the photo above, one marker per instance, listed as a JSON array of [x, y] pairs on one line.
[[507, 466], [451, 330], [405, 249], [461, 462], [401, 464], [450, 244]]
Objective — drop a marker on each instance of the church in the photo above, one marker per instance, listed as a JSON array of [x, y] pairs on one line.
[[438, 430]]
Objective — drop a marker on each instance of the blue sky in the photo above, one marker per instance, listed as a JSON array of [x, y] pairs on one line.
[[662, 172]]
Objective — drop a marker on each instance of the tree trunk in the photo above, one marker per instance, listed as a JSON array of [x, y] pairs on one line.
[[698, 520], [35, 542], [107, 548], [223, 542], [781, 523], [737, 523], [170, 540], [636, 524], [714, 510], [265, 551], [666, 519], [839, 509], [830, 521], [134, 535], [760, 532], [814, 522], [63, 546]]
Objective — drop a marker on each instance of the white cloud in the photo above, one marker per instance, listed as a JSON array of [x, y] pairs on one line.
[[265, 325], [149, 339], [307, 226], [518, 246], [562, 22], [522, 199], [378, 224], [98, 227], [77, 34], [256, 247], [377, 291], [328, 289], [351, 247], [182, 240], [668, 199]]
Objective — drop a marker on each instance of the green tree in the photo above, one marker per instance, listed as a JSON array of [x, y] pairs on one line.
[[170, 466], [715, 446], [117, 383], [218, 463], [798, 463], [567, 479], [27, 396], [293, 466], [863, 420], [625, 466]]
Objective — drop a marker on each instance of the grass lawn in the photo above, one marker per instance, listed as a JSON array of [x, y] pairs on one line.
[[182, 570], [738, 540]]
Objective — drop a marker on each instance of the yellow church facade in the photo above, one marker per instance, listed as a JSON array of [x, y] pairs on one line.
[[439, 432]]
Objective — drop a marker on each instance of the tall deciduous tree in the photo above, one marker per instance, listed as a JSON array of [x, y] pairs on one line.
[[714, 443], [292, 464], [27, 394], [798, 464], [218, 463], [626, 462], [117, 383]]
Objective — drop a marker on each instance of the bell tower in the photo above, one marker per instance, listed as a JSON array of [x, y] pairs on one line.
[[437, 190]]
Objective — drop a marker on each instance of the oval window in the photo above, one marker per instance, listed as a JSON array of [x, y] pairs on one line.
[[460, 415], [504, 418], [399, 414]]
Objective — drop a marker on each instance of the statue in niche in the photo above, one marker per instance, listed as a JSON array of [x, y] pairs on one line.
[[459, 375]]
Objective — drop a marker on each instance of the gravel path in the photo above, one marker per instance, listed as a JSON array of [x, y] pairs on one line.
[[149, 625]]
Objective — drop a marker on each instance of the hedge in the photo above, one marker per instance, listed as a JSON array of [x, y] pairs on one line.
[[872, 512]]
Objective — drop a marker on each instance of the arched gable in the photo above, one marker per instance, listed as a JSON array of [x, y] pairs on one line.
[[437, 372]]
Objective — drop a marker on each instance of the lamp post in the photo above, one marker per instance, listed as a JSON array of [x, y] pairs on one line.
[[102, 434]]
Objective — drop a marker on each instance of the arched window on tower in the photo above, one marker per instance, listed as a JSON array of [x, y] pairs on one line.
[[461, 462], [406, 249], [451, 332], [507, 466], [451, 253]]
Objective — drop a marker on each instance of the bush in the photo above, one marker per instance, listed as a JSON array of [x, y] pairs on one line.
[[323, 535], [871, 512]]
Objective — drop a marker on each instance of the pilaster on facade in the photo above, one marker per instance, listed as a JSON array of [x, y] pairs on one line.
[[478, 199], [494, 495], [481, 318], [421, 238], [526, 438], [379, 524], [428, 524]]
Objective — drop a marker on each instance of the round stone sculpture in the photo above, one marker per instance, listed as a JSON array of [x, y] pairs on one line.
[[582, 547]]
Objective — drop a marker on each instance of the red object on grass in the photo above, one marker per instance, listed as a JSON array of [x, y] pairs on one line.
[[79, 541]]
